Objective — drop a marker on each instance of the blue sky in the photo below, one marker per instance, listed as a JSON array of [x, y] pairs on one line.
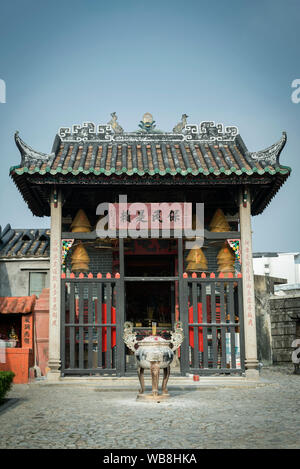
[[70, 61]]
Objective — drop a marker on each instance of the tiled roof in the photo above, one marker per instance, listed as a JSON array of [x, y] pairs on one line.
[[156, 155], [17, 243], [17, 304], [204, 154]]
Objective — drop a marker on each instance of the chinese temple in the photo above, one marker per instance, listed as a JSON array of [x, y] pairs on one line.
[[102, 274]]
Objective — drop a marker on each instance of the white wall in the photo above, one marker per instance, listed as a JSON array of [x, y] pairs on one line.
[[286, 265]]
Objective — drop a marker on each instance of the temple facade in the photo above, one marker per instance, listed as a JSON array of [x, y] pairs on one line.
[[150, 227]]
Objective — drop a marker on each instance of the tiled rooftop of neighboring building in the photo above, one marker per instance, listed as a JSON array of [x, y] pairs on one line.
[[24, 243]]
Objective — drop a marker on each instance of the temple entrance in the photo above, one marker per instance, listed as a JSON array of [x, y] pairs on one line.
[[152, 293], [149, 296]]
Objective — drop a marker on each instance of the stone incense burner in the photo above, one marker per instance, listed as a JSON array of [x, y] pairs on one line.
[[153, 353]]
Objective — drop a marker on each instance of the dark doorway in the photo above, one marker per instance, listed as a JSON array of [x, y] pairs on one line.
[[149, 265], [149, 301]]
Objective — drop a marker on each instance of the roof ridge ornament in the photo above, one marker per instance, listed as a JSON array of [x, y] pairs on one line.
[[147, 124], [272, 153], [87, 132], [114, 124], [211, 132], [181, 125], [206, 132], [28, 154]]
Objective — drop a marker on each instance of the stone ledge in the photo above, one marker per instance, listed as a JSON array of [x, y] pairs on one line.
[[132, 383]]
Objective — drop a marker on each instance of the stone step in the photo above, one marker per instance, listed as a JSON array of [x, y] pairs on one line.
[[132, 383]]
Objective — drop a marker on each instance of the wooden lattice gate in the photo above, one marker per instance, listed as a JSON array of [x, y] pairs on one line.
[[212, 317], [92, 321]]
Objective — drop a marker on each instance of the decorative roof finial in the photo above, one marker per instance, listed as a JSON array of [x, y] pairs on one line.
[[271, 154], [147, 124], [28, 154], [181, 125], [114, 124]]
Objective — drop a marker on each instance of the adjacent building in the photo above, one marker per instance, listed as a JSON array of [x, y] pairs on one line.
[[284, 265], [24, 274]]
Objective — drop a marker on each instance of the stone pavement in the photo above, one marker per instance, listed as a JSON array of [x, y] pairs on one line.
[[202, 415]]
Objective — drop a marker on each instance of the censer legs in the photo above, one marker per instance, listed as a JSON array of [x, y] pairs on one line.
[[142, 380], [165, 380], [155, 377]]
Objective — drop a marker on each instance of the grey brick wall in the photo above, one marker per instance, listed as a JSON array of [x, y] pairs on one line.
[[283, 311], [101, 260]]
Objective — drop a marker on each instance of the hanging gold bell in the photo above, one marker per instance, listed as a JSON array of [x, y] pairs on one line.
[[196, 260], [80, 259], [81, 223], [226, 260], [219, 223]]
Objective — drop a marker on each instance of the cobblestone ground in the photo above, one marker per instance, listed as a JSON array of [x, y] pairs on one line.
[[83, 416]]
